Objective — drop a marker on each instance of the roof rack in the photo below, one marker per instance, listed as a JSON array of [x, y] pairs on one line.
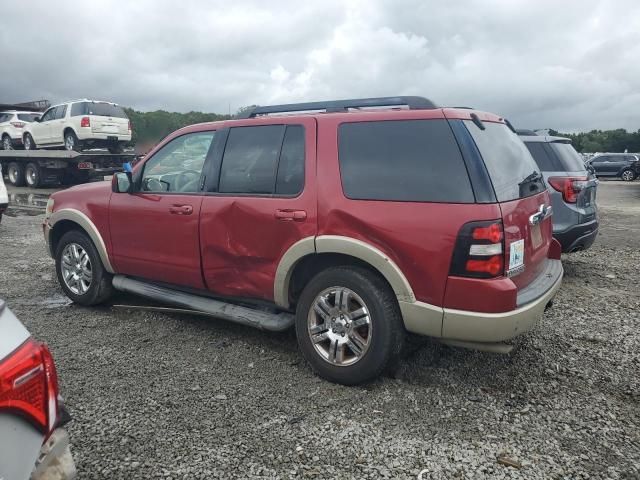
[[414, 103]]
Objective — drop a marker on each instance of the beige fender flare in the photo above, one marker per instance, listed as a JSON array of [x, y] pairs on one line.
[[87, 225]]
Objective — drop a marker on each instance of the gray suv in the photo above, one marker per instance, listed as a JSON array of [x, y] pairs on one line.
[[623, 165], [572, 189]]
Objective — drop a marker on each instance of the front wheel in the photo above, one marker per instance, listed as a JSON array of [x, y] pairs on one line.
[[80, 271], [28, 142], [628, 175], [348, 325]]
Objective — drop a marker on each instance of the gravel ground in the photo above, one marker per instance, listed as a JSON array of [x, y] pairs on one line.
[[169, 396]]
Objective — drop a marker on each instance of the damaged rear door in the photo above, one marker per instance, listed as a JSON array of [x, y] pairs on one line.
[[261, 199]]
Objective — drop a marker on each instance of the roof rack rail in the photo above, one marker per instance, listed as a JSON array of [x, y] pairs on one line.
[[414, 103]]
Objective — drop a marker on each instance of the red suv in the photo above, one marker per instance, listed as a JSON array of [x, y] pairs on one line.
[[358, 221]]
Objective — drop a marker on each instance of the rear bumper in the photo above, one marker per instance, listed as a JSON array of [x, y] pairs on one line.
[[578, 237], [482, 327], [55, 461], [103, 137]]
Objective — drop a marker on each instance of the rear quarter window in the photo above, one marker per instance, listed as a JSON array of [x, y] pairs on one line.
[[569, 159], [402, 160], [543, 157], [508, 161]]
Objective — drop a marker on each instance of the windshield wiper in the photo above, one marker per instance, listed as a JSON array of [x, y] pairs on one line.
[[533, 177]]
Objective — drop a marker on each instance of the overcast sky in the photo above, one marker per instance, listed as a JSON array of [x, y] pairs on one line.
[[568, 65]]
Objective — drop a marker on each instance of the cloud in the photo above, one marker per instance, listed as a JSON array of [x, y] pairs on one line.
[[564, 65]]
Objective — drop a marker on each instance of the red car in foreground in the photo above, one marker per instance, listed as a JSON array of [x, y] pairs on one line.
[[356, 220]]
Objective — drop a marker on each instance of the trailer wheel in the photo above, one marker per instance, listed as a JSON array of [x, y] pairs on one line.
[[33, 175], [15, 173]]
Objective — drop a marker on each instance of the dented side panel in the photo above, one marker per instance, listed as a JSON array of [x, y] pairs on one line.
[[242, 241]]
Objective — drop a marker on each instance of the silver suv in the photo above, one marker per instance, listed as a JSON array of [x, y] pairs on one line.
[[572, 189]]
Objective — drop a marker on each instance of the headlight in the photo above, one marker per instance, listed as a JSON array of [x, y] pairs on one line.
[[49, 210]]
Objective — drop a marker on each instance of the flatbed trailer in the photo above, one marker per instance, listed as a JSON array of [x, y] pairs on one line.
[[38, 168]]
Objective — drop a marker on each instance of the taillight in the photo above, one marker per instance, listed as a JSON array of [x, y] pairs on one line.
[[85, 122], [479, 250], [18, 124], [570, 187], [29, 385], [129, 125]]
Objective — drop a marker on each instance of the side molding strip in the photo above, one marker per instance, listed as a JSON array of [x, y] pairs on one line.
[[81, 219]]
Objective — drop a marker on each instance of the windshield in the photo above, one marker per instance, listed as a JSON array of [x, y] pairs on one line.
[[512, 169], [28, 117], [105, 110]]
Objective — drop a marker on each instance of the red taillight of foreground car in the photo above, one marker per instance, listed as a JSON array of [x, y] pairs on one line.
[[18, 124], [570, 187], [29, 385], [85, 122], [479, 250]]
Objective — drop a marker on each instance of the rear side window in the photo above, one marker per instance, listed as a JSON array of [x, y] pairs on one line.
[[402, 160], [60, 112], [513, 171], [569, 159], [78, 109], [264, 159]]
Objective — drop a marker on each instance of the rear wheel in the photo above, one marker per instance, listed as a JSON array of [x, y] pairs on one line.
[[33, 175], [29, 144], [348, 325], [628, 175], [7, 144], [80, 271], [15, 172], [71, 141]]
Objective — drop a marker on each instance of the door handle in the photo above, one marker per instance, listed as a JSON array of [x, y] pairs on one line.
[[181, 209], [291, 215], [542, 213]]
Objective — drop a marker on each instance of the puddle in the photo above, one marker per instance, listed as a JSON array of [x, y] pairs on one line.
[[26, 204], [57, 301]]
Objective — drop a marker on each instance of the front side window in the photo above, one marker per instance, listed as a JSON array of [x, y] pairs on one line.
[[402, 160], [513, 171], [49, 114], [177, 167]]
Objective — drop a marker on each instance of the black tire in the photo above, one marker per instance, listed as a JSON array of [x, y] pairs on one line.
[[33, 175], [387, 331], [28, 142], [15, 173], [628, 175], [116, 149], [100, 288], [7, 143], [71, 141]]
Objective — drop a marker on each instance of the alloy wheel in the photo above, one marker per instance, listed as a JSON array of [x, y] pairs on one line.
[[627, 175], [339, 326], [76, 268], [69, 142], [27, 143], [6, 143]]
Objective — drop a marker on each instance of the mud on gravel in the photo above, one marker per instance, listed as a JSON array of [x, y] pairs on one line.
[[171, 396]]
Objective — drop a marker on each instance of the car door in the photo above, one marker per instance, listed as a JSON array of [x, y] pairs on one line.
[[56, 128], [41, 130], [154, 229], [260, 200], [601, 165]]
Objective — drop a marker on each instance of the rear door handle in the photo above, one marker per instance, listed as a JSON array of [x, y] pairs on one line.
[[181, 209], [288, 215]]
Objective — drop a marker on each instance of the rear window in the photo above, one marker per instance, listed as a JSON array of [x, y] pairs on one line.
[[570, 160], [28, 117], [4, 117], [99, 109], [513, 171], [402, 160], [545, 159]]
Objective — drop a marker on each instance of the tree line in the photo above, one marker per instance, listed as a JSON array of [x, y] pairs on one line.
[[151, 127]]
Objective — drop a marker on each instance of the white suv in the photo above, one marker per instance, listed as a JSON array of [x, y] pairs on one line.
[[12, 125], [80, 124]]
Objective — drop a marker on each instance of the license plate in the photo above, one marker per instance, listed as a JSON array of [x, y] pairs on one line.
[[536, 236], [110, 128], [516, 254], [112, 139]]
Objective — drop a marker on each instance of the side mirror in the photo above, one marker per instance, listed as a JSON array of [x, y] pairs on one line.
[[122, 182]]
